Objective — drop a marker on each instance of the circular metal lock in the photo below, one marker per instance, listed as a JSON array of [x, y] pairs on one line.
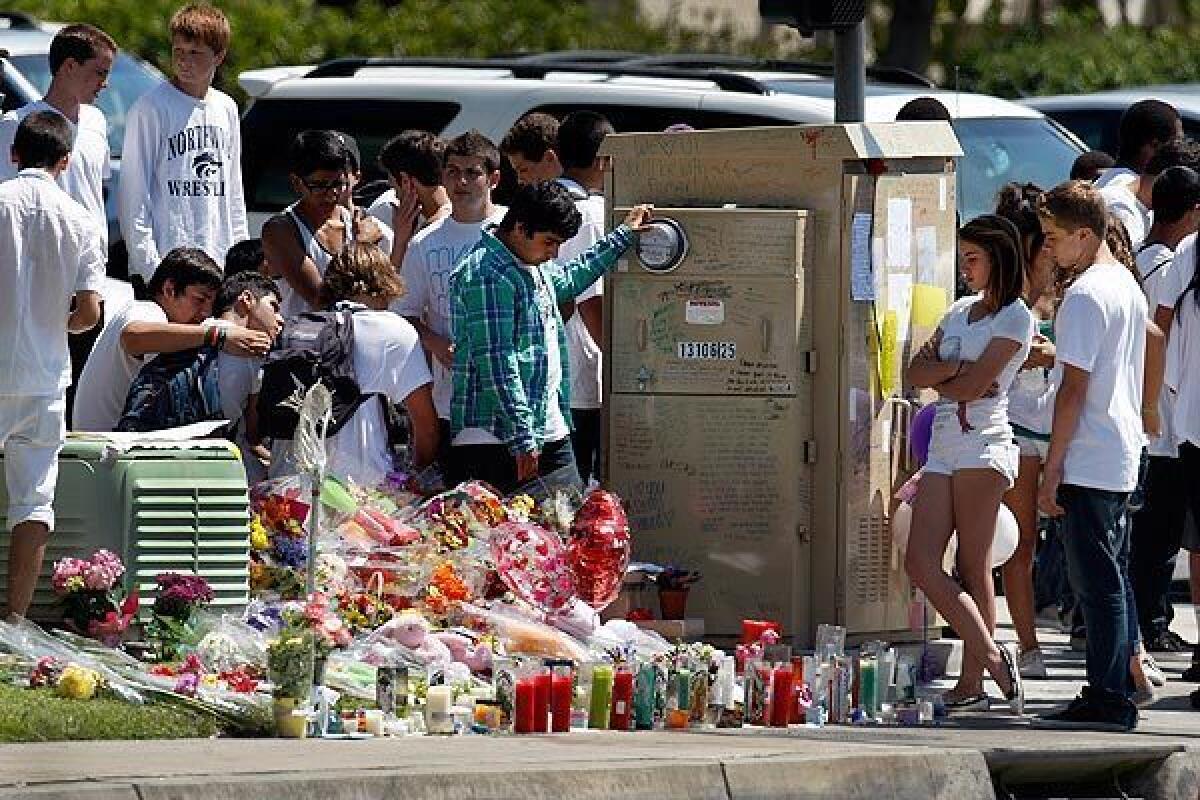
[[662, 246]]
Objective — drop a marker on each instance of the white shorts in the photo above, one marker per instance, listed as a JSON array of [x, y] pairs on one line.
[[32, 432], [1031, 447], [951, 450]]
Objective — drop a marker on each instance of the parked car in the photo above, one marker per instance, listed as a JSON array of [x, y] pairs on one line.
[[25, 76], [1096, 118], [373, 99]]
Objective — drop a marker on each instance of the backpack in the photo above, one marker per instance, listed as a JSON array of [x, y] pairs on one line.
[[173, 389], [315, 346]]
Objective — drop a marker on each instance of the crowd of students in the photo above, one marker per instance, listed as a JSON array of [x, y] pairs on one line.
[[1066, 375], [480, 322], [1064, 388]]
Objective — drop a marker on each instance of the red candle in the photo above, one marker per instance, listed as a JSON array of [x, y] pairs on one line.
[[622, 700], [541, 702], [753, 629], [782, 681], [523, 714], [561, 690]]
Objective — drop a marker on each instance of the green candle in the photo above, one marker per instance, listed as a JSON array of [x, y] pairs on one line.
[[867, 685], [683, 688], [602, 684]]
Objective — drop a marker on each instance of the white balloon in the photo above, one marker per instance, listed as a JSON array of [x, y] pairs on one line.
[[1004, 542]]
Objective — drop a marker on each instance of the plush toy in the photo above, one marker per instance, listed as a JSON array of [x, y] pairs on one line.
[[465, 650], [412, 631]]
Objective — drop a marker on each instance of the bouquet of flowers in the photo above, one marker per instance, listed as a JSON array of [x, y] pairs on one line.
[[278, 538], [177, 600], [93, 600]]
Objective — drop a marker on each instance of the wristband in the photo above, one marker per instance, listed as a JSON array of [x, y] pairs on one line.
[[210, 335], [222, 335]]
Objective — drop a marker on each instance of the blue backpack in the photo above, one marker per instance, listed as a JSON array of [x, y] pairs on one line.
[[173, 389]]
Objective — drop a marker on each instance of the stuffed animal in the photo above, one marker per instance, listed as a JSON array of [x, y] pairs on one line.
[[412, 630], [465, 650]]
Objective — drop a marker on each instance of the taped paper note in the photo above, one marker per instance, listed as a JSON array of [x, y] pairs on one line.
[[899, 232], [927, 255], [928, 305], [900, 302], [862, 284], [888, 355], [942, 193]]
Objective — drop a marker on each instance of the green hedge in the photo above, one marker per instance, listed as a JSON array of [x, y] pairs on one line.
[[1076, 54], [273, 32]]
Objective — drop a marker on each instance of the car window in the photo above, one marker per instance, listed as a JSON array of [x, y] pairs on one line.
[[128, 81], [641, 119], [1096, 127], [997, 151], [270, 125]]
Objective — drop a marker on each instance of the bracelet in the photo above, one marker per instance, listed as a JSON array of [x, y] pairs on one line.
[[958, 371], [210, 335], [222, 335]]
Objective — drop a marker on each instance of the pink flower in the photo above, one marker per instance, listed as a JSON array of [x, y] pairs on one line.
[[109, 560], [99, 577]]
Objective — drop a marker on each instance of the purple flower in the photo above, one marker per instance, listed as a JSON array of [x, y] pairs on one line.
[[289, 551]]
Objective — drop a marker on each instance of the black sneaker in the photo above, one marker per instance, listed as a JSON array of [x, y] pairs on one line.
[[1086, 714], [1167, 642]]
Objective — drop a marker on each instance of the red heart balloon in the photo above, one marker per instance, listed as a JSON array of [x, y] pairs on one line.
[[598, 550]]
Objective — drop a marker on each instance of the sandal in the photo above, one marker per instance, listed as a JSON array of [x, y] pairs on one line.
[[974, 702], [1016, 689]]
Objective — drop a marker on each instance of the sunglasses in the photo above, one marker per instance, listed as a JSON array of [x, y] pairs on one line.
[[325, 186]]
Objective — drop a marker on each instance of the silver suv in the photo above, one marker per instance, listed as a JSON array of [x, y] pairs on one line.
[[375, 98]]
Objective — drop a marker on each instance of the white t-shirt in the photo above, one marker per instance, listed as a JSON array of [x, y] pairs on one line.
[[585, 357], [1121, 201], [49, 250], [104, 384], [88, 166], [963, 340], [1115, 176], [1101, 329], [1031, 398], [432, 255], [388, 360], [1153, 262], [1183, 348], [181, 177]]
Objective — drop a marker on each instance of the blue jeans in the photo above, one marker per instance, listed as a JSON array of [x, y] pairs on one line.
[[1095, 535]]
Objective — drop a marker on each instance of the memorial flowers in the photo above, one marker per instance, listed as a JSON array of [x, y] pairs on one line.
[[94, 603]]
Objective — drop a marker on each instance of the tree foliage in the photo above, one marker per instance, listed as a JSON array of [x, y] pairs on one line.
[[274, 32]]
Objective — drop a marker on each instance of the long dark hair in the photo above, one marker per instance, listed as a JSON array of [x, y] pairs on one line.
[[1000, 239]]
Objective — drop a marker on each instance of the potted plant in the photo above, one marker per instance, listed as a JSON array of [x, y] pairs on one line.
[[674, 584], [172, 622]]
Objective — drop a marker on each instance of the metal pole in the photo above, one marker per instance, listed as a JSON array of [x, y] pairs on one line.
[[849, 74]]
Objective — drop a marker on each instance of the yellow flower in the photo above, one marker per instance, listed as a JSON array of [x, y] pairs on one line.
[[258, 535], [78, 683]]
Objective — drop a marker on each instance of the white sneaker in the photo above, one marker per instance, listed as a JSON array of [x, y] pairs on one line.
[[1032, 664], [1151, 669], [1143, 696]]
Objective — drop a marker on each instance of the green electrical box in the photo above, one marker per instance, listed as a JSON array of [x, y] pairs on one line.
[[161, 507]]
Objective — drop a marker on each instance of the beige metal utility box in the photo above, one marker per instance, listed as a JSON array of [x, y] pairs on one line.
[[754, 421]]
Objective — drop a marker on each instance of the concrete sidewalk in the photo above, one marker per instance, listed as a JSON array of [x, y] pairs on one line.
[[969, 757]]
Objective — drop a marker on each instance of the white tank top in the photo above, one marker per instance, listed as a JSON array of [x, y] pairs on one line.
[[291, 302]]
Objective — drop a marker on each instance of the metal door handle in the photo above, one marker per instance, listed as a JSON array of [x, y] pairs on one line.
[[642, 335]]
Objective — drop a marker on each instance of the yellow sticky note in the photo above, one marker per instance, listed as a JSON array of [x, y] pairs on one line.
[[888, 354], [928, 305]]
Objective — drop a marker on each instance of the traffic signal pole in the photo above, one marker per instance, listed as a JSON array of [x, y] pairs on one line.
[[849, 74]]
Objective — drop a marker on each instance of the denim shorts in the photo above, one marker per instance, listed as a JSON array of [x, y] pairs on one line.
[[992, 448]]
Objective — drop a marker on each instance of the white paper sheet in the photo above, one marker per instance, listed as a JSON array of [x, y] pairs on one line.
[[899, 232]]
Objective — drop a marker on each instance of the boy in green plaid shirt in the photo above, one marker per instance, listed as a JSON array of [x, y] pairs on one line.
[[511, 405]]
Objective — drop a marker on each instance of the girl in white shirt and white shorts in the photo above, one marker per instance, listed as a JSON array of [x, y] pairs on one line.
[[971, 361]]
